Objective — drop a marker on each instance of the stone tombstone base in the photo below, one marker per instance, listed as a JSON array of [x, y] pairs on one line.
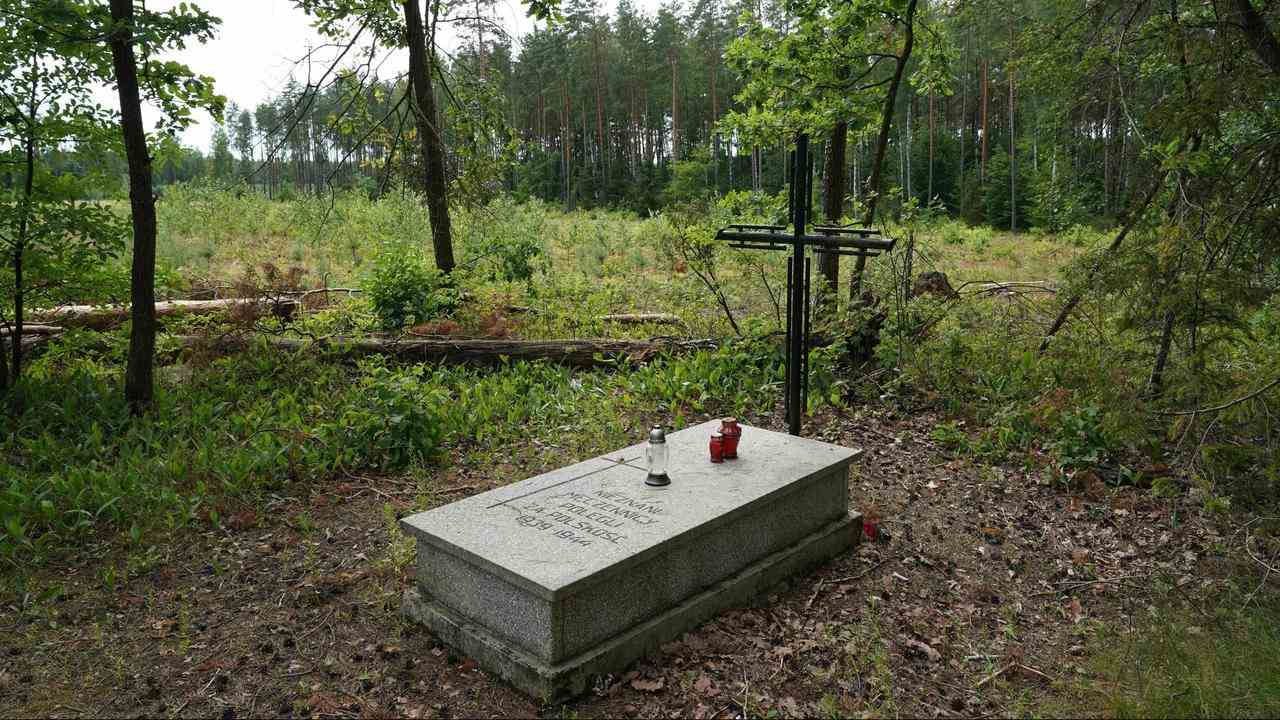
[[578, 572]]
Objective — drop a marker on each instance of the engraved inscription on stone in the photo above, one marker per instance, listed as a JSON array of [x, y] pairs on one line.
[[588, 517]]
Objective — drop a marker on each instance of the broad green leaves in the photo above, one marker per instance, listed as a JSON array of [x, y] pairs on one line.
[[827, 62], [54, 236]]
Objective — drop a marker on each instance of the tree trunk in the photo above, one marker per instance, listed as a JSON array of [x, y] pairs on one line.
[[566, 151], [138, 384], [16, 370], [833, 199], [103, 317], [1106, 152], [434, 184], [929, 196], [675, 112], [982, 113], [20, 247], [576, 353], [1260, 37], [1156, 383], [882, 142], [24, 229], [643, 319], [755, 168], [1013, 157], [964, 140], [713, 60], [597, 72], [904, 134]]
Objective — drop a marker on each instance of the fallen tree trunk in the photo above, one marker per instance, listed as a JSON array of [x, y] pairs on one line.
[[31, 342], [102, 317], [575, 353], [28, 330], [643, 318]]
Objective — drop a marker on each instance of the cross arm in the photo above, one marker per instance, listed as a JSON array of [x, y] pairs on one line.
[[755, 234], [854, 240]]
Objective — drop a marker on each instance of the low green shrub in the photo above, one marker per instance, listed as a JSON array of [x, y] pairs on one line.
[[504, 241], [405, 289], [395, 420]]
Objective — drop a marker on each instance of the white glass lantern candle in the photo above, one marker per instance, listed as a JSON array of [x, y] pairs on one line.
[[656, 456]]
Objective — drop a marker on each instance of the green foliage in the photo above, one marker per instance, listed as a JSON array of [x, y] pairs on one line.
[[957, 232], [503, 240], [79, 464], [995, 197], [690, 180], [406, 289], [822, 67], [52, 240], [1079, 439], [396, 420], [1058, 201], [741, 377], [1178, 665], [260, 421]]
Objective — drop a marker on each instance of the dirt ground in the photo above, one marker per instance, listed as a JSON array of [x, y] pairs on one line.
[[979, 597]]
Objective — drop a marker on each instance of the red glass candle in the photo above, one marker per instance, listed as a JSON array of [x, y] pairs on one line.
[[732, 434], [717, 447]]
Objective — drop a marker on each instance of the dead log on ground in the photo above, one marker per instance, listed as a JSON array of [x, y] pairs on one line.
[[103, 317], [643, 318], [996, 287], [28, 330], [32, 344], [575, 353]]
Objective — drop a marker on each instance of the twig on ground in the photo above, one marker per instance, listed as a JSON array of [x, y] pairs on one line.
[[1248, 548], [307, 293], [818, 588], [873, 431], [379, 492], [862, 574], [1035, 672], [994, 675], [317, 627], [1074, 585]]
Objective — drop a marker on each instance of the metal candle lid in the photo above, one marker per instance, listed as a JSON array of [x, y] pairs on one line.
[[657, 434]]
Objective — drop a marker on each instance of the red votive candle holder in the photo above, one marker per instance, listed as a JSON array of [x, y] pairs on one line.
[[717, 447], [732, 434]]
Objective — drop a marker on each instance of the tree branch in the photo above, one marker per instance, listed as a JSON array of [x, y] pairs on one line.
[[1225, 405]]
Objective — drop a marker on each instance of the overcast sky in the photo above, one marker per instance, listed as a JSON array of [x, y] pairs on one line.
[[260, 41]]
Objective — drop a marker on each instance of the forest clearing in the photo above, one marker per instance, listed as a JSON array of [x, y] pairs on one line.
[[264, 558], [419, 390]]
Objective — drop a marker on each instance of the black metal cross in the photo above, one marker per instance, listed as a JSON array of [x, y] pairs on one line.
[[834, 240]]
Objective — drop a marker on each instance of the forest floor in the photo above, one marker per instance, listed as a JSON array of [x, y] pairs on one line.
[[987, 593]]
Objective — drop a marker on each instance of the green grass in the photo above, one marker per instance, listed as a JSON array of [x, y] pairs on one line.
[[531, 271], [80, 468], [1175, 664], [240, 426]]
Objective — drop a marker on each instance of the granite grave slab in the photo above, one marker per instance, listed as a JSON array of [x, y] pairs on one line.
[[577, 572]]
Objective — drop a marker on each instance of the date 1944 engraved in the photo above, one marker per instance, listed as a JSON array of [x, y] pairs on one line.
[[581, 519]]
